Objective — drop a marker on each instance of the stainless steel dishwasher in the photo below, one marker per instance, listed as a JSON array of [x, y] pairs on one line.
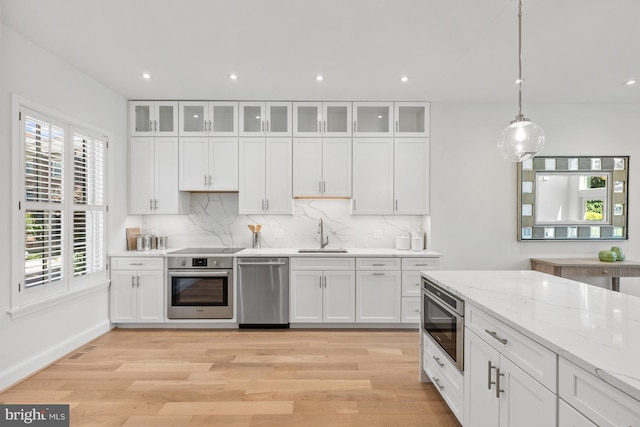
[[263, 292]]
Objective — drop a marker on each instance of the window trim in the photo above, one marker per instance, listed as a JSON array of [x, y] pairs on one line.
[[21, 301]]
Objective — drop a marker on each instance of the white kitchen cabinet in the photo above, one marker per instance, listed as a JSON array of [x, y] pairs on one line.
[[137, 290], [265, 118], [372, 119], [208, 164], [412, 286], [411, 176], [202, 118], [316, 119], [322, 167], [378, 290], [265, 176], [499, 393], [444, 374], [153, 118], [372, 176], [322, 290], [601, 404], [153, 186], [411, 119]]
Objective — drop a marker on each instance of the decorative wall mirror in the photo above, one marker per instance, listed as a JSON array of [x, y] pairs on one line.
[[573, 198]]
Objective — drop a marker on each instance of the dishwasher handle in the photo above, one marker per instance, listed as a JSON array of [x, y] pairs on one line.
[[262, 263]]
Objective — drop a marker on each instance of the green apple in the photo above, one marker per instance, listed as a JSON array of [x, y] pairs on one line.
[[619, 255], [607, 256]]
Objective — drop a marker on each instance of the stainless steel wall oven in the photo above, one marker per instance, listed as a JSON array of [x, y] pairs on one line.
[[200, 287], [443, 319]]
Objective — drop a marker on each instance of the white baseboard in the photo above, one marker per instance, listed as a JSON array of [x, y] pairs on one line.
[[13, 374]]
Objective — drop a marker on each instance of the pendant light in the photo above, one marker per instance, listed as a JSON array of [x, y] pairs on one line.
[[522, 139]]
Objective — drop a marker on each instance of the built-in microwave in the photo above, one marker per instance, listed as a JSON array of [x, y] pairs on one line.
[[443, 320]]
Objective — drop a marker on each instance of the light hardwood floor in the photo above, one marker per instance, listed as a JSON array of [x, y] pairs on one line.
[[241, 378]]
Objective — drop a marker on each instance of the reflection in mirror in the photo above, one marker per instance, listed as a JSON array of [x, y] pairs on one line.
[[573, 198]]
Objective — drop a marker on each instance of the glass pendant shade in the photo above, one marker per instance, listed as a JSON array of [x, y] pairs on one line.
[[521, 140]]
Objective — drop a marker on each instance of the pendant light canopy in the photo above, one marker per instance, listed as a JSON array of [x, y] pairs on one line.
[[522, 139]]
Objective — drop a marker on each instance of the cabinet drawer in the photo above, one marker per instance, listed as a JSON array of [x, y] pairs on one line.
[[377, 263], [420, 263], [569, 417], [602, 403], [139, 263], [535, 359], [447, 380], [410, 309], [320, 263]]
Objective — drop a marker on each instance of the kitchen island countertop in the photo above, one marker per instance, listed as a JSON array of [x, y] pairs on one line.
[[595, 328]]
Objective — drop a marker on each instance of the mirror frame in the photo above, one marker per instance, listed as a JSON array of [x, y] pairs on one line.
[[616, 229]]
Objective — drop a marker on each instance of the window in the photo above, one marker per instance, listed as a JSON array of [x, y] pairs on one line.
[[61, 232]]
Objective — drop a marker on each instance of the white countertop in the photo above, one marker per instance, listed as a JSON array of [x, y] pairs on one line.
[[595, 328], [288, 252]]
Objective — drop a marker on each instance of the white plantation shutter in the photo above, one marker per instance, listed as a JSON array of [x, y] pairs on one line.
[[88, 204], [62, 205], [44, 196]]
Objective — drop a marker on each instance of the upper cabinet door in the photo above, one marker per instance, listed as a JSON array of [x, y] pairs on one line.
[[411, 176], [336, 119], [372, 119], [265, 119], [153, 118], [223, 118], [307, 118], [194, 118], [411, 119]]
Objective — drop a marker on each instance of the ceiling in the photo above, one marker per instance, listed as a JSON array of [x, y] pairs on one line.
[[574, 51]]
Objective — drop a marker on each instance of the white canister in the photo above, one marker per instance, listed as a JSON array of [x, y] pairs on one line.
[[403, 243], [417, 240]]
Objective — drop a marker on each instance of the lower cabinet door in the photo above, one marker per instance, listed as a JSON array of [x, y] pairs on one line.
[[305, 297], [569, 417], [339, 296], [481, 407], [123, 296], [524, 402], [150, 296], [378, 296]]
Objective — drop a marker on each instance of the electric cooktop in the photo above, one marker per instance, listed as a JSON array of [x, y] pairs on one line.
[[207, 251]]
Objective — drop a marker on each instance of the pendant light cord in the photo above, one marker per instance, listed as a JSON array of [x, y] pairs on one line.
[[520, 116]]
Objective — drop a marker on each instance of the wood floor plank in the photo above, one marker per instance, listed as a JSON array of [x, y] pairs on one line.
[[244, 378]]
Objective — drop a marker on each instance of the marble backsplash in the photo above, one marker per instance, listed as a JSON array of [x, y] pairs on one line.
[[214, 222]]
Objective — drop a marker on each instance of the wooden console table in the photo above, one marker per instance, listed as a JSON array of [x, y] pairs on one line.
[[565, 267]]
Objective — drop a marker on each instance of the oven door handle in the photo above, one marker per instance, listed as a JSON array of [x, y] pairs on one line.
[[199, 273]]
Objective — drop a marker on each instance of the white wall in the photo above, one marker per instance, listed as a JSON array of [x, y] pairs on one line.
[[473, 190], [32, 341]]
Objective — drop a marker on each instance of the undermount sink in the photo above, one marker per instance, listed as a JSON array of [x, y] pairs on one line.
[[322, 251]]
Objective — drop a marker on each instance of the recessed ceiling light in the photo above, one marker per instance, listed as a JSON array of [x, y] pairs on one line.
[[518, 81], [195, 116], [379, 117], [319, 78], [146, 76], [233, 77], [630, 82], [404, 79]]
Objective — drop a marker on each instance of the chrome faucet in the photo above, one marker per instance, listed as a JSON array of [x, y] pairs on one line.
[[323, 242]]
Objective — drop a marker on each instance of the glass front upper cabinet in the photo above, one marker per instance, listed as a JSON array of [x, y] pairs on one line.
[[372, 119], [153, 118], [411, 119], [265, 119], [322, 119], [208, 118]]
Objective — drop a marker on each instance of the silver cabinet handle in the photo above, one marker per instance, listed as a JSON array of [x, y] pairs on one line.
[[437, 359], [324, 127], [209, 180], [150, 204], [437, 381], [498, 389], [396, 204], [155, 122], [150, 125], [396, 126], [378, 264], [138, 281], [267, 125], [155, 204], [133, 281], [354, 205], [378, 274], [205, 179], [325, 281], [320, 281], [490, 367], [136, 263], [324, 187], [262, 125], [421, 265], [319, 126], [355, 128], [495, 335], [266, 204], [210, 125], [262, 208]]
